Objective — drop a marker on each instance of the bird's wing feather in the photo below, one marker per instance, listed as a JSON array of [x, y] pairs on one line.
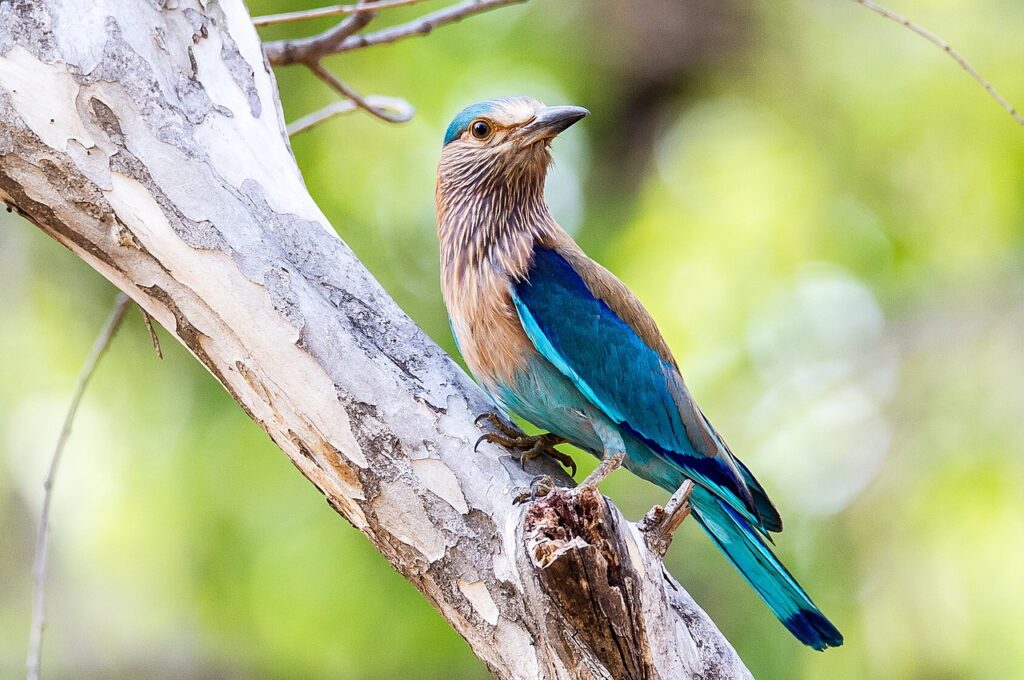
[[634, 384]]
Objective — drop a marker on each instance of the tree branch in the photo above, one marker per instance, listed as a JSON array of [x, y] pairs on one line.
[[948, 49], [323, 12], [285, 52], [311, 50], [173, 178], [35, 638]]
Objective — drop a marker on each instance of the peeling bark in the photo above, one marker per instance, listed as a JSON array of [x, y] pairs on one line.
[[150, 142]]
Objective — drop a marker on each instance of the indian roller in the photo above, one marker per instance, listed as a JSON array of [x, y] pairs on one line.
[[554, 337]]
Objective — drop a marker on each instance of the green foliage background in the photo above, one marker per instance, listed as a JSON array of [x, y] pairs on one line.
[[826, 217]]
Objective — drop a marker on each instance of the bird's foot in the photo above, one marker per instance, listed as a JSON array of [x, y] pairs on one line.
[[529, 447], [660, 524], [540, 486], [608, 465], [497, 423]]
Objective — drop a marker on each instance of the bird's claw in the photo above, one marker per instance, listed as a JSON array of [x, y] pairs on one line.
[[545, 446], [540, 486], [530, 447], [497, 423], [482, 438]]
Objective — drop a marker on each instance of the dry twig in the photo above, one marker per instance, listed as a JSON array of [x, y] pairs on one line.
[[401, 114], [314, 48], [659, 525], [35, 643], [345, 37], [945, 47], [398, 108], [322, 12], [307, 50]]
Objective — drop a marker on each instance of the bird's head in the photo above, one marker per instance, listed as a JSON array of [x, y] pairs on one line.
[[502, 140]]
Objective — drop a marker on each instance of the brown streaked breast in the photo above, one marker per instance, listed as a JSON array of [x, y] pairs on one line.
[[487, 326]]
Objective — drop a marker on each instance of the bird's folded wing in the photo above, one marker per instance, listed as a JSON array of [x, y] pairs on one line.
[[618, 372]]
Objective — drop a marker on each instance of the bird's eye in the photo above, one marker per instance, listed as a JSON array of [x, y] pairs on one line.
[[480, 129]]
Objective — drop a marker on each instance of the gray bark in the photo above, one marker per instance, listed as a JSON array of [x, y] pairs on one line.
[[149, 141]]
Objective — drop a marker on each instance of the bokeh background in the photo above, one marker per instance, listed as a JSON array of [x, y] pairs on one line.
[[822, 211]]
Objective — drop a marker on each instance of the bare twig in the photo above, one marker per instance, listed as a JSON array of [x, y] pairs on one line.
[[659, 524], [343, 37], [310, 50], [284, 52], [945, 47], [424, 25], [121, 305], [345, 91], [399, 107], [334, 10]]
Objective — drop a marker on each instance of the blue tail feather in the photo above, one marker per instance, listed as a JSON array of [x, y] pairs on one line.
[[751, 556]]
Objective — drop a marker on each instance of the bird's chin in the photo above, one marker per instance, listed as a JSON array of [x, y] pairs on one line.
[[536, 152], [537, 139]]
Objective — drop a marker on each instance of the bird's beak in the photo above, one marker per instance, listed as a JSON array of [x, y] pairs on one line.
[[550, 121]]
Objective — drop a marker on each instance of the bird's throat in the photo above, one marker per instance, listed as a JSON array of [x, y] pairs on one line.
[[490, 225]]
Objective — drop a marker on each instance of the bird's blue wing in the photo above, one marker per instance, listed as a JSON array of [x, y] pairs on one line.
[[640, 389], [623, 376]]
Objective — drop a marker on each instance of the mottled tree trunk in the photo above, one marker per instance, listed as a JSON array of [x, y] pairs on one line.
[[149, 141]]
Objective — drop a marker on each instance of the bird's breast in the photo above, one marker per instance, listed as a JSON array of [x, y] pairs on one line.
[[487, 328]]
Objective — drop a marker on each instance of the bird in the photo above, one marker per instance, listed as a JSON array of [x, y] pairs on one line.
[[555, 338]]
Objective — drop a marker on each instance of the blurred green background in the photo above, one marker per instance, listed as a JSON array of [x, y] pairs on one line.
[[822, 211]]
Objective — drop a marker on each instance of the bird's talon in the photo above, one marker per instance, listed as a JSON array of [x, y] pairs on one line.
[[497, 423], [492, 438], [490, 417], [565, 460], [529, 447], [476, 447]]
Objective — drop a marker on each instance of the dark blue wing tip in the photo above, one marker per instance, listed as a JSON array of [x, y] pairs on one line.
[[814, 630]]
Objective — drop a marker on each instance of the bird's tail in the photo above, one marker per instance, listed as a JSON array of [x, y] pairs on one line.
[[749, 553]]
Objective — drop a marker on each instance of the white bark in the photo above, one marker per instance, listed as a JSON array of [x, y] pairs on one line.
[[149, 140]]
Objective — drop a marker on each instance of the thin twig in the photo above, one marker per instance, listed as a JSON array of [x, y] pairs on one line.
[[424, 25], [35, 644], [284, 52], [345, 91], [312, 49], [400, 107], [334, 10], [945, 47], [344, 37]]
